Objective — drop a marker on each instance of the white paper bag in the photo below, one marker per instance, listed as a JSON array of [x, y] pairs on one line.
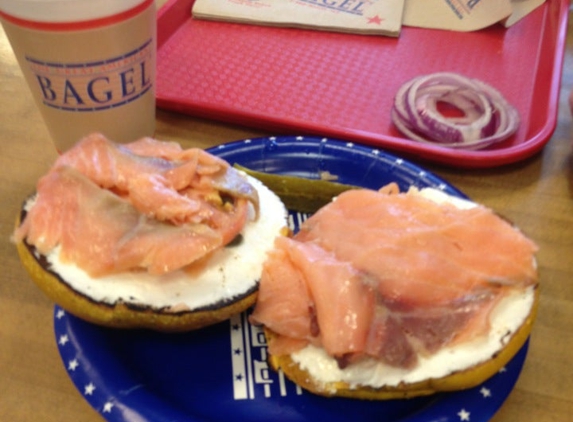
[[375, 17], [380, 17]]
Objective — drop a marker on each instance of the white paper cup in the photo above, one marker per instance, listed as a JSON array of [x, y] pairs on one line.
[[90, 64]]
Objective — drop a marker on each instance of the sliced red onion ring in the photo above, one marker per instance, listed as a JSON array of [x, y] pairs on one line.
[[487, 117]]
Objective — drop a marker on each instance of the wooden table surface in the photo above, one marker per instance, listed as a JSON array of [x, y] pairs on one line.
[[536, 194]]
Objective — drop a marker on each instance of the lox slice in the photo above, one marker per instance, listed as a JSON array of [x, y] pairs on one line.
[[142, 206], [421, 252], [429, 275]]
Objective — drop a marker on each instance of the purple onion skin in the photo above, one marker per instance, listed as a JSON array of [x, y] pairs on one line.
[[411, 115]]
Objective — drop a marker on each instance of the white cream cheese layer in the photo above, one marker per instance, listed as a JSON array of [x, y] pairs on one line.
[[506, 319], [229, 272]]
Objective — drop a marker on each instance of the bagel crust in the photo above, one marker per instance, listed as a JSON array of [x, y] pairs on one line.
[[121, 314]]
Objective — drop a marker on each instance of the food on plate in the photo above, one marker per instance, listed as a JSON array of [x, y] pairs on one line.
[[387, 294], [148, 234], [450, 110]]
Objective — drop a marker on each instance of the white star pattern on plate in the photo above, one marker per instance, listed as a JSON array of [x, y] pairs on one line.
[[485, 392], [73, 364], [107, 407], [89, 389], [464, 415], [63, 339], [60, 314]]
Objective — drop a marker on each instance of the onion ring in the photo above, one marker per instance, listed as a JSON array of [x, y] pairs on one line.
[[487, 117]]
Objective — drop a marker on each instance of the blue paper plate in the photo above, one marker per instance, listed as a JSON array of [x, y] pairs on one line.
[[220, 373]]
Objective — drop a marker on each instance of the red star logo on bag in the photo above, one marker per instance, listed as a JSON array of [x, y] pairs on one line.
[[376, 20]]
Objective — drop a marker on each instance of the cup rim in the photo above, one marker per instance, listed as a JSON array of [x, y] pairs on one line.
[[77, 14]]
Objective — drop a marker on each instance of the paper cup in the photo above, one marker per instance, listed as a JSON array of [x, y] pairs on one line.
[[90, 64]]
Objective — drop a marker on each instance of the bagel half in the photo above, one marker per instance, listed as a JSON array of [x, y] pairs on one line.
[[201, 291], [456, 366], [228, 281]]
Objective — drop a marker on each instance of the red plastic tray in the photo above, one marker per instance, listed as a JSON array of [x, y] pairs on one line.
[[342, 85]]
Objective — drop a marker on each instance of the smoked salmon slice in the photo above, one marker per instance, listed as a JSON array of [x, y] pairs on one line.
[[147, 206], [103, 233], [423, 252], [391, 276], [317, 296]]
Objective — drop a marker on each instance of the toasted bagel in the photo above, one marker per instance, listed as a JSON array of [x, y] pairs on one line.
[[147, 235], [69, 286], [462, 361]]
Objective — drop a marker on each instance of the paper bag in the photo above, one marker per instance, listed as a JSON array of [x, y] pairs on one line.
[[379, 17]]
